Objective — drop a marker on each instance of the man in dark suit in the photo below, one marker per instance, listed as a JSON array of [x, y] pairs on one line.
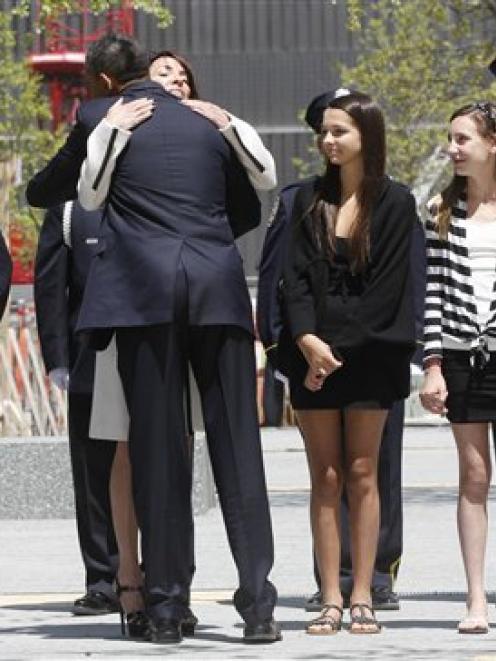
[[66, 244], [168, 278], [269, 326]]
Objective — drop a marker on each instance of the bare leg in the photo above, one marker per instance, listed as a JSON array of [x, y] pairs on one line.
[[474, 458], [363, 433], [126, 529], [321, 432]]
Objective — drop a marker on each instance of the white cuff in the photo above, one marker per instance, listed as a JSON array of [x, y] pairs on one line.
[[252, 153], [60, 377]]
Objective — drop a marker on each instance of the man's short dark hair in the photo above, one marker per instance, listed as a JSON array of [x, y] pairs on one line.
[[118, 56]]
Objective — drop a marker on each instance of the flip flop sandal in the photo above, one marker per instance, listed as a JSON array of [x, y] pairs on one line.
[[471, 625], [363, 619], [326, 624]]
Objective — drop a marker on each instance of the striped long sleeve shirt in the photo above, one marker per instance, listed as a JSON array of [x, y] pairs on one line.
[[450, 306]]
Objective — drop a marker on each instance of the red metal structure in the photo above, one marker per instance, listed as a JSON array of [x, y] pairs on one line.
[[59, 56]]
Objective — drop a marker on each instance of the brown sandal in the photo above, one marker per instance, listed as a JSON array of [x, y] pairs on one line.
[[364, 619], [325, 624]]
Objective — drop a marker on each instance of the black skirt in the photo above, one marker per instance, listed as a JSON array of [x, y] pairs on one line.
[[471, 391], [374, 375]]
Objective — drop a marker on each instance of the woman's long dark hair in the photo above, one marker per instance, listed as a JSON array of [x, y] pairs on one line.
[[369, 120], [186, 66], [484, 116]]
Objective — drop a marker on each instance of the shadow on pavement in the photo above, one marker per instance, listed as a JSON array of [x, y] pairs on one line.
[[53, 607], [108, 631], [419, 624], [292, 601], [298, 601], [435, 495], [111, 633], [441, 596]]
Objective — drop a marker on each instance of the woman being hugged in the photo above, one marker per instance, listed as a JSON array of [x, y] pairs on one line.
[[460, 329], [109, 417], [349, 335]]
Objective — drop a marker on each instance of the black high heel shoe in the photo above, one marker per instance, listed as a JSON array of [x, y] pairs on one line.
[[135, 624]]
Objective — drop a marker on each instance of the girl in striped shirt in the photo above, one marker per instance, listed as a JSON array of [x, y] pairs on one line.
[[460, 329]]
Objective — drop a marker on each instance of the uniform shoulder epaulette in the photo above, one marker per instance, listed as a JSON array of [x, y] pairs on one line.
[[298, 184], [290, 187], [273, 212]]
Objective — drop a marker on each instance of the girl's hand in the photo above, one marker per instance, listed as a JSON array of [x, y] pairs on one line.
[[128, 115], [433, 393], [318, 355]]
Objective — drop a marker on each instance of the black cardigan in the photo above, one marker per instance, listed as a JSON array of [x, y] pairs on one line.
[[386, 310]]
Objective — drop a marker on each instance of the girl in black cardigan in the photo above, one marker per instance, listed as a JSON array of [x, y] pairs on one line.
[[348, 336]]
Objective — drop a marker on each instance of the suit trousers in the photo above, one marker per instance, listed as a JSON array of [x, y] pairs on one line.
[[390, 545], [273, 398], [91, 462], [153, 363]]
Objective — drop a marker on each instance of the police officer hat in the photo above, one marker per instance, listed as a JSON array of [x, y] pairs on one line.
[[315, 111], [492, 67]]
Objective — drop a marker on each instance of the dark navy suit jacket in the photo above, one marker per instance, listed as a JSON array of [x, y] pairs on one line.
[[269, 311], [60, 277], [172, 191]]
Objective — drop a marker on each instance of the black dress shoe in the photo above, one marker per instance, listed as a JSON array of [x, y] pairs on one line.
[[263, 632], [95, 603], [189, 623], [165, 631], [314, 603], [384, 599]]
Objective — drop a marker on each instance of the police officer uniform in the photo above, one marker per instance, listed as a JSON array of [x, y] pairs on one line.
[[67, 241]]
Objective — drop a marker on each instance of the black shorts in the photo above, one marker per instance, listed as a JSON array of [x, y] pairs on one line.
[[471, 391], [373, 376]]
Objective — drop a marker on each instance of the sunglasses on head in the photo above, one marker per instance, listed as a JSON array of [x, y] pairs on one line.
[[488, 110]]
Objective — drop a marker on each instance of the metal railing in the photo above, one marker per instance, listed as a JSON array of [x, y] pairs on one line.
[[30, 405]]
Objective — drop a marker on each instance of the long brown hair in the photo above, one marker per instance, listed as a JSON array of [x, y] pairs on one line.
[[484, 117], [369, 120], [186, 66]]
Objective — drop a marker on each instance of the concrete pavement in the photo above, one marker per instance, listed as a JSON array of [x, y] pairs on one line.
[[40, 575]]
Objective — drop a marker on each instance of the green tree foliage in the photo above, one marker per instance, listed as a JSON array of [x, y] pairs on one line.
[[24, 110], [421, 59], [52, 8]]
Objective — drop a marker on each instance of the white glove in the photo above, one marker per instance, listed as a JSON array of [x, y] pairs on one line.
[[60, 377]]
